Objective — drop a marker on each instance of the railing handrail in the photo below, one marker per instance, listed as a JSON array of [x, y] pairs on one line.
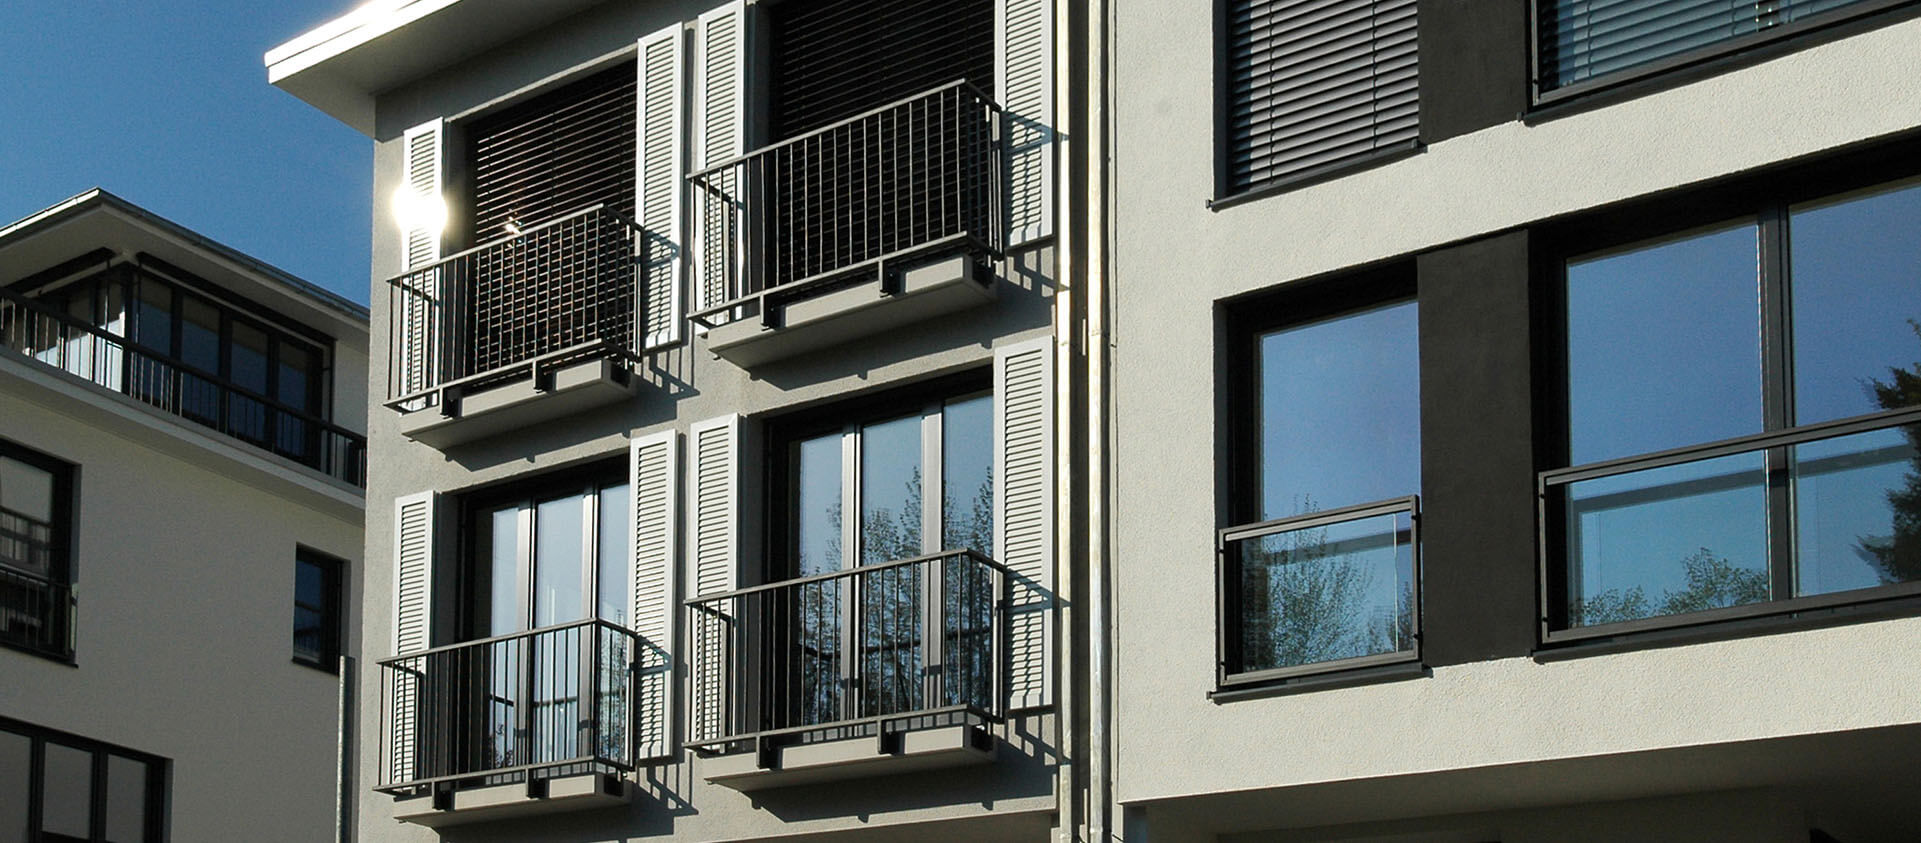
[[598, 207], [128, 345], [844, 573], [391, 661], [700, 176]]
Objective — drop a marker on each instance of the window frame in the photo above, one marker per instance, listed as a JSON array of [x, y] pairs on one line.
[[62, 562], [1245, 322], [1766, 212], [159, 780], [1709, 58], [332, 613]]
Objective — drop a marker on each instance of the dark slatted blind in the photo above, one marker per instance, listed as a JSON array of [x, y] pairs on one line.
[[1312, 83], [554, 154], [1585, 39], [834, 59]]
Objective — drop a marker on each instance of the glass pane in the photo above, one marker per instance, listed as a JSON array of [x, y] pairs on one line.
[[967, 471], [890, 494], [153, 319], [1856, 279], [817, 524], [503, 574], [16, 759], [310, 583], [1857, 505], [126, 800], [559, 561], [307, 632], [1664, 346], [1340, 404], [26, 516], [68, 797], [294, 386], [200, 334], [1324, 593], [26, 490], [247, 357], [1668, 540], [615, 581]]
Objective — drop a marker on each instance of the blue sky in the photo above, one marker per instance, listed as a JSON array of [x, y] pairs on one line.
[[167, 104]]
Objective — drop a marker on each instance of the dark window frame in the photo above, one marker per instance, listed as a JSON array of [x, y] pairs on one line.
[[526, 493], [159, 781], [332, 610], [1763, 202], [1708, 59], [62, 562], [1244, 322]]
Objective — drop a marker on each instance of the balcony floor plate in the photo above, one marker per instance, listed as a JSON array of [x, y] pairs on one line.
[[932, 749], [516, 406], [849, 313], [572, 793]]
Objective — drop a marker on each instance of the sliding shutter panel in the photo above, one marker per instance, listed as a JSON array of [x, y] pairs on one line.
[[661, 168], [1024, 66], [1024, 512], [654, 474], [405, 689], [1314, 84], [720, 129], [713, 493]]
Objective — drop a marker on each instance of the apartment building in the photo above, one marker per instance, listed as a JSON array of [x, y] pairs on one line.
[[1519, 433], [717, 481], [180, 532]]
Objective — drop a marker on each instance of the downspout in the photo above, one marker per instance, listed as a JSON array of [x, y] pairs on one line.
[[344, 754], [1100, 451]]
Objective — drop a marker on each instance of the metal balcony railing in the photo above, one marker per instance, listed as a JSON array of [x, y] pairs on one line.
[[62, 342], [914, 178], [554, 294], [35, 613], [548, 701], [886, 646]]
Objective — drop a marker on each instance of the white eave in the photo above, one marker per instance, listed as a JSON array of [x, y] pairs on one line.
[[340, 66]]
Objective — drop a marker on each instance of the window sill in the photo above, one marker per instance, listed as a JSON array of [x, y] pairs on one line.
[[1409, 668], [1328, 172], [1683, 630]]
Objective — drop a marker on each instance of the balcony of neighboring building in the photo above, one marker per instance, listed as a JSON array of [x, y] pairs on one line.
[[881, 669]]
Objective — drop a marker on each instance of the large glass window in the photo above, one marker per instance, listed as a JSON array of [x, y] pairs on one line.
[[59, 788], [1325, 576], [36, 494], [549, 555], [1742, 415]]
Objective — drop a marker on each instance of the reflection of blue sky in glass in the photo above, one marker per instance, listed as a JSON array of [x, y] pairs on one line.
[[817, 505], [1857, 282], [1840, 499], [890, 493], [1636, 530], [614, 581], [967, 470], [1340, 411], [1664, 346]]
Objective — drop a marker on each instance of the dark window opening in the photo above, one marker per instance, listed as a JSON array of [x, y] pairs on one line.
[[318, 609], [61, 788], [36, 555], [834, 59]]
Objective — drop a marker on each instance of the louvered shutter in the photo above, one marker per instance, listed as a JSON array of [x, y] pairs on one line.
[[1024, 512], [425, 171], [713, 492], [1584, 39], [1316, 83], [417, 317], [1024, 69], [413, 561], [661, 192], [720, 128], [654, 474]]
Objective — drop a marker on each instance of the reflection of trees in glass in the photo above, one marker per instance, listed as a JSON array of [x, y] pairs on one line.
[[1713, 583], [1302, 604], [1897, 557]]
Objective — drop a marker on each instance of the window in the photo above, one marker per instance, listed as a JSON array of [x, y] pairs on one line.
[[854, 494], [1582, 41], [548, 554], [1307, 86], [1742, 419], [317, 609], [36, 563], [1324, 573], [58, 788]]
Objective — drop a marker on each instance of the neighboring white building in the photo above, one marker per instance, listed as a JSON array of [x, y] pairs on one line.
[[180, 533]]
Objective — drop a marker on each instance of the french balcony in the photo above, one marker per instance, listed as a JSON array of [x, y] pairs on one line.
[[881, 669], [496, 725], [53, 339], [36, 613], [532, 326], [884, 219]]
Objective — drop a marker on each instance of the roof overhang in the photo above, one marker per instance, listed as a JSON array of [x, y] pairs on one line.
[[340, 66], [97, 219]]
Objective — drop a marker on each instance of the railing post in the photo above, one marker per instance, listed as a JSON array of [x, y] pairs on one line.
[[933, 643]]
